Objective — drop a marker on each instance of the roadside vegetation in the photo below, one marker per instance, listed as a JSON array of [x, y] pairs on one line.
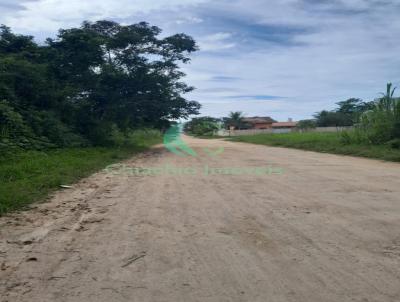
[[94, 94], [375, 129], [376, 132], [347, 113], [380, 124], [30, 175], [322, 142], [202, 126]]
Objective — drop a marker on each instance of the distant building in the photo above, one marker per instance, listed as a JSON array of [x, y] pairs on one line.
[[259, 122], [284, 125]]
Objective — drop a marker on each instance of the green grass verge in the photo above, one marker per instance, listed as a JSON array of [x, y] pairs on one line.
[[322, 142], [209, 136], [30, 176]]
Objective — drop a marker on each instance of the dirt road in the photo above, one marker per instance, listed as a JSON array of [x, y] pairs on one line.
[[324, 228]]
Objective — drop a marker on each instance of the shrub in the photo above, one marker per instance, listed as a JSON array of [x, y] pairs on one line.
[[395, 143], [382, 123], [306, 124], [11, 122], [47, 124], [108, 134], [202, 126], [346, 138], [142, 137], [14, 132]]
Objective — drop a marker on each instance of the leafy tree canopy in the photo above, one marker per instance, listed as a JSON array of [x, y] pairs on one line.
[[347, 113], [201, 126], [97, 77]]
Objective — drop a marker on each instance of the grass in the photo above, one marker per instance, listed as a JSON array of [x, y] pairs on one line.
[[30, 176], [209, 136], [322, 142]]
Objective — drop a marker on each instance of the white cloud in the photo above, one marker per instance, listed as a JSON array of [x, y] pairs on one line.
[[50, 15], [217, 41], [189, 20], [349, 47], [345, 54]]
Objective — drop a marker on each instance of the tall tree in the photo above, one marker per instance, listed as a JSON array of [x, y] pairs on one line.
[[126, 73]]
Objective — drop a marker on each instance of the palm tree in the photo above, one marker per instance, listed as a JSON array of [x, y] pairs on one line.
[[387, 101], [235, 119]]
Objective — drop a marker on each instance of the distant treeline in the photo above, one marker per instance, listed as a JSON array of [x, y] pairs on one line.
[[347, 113], [92, 85], [376, 122]]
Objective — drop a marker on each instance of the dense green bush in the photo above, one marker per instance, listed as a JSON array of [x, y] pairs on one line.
[[11, 122], [381, 124], [394, 143], [108, 134], [202, 126]]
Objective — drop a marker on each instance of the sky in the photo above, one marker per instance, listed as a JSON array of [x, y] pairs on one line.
[[278, 58]]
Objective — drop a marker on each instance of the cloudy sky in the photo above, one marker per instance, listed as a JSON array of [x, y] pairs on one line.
[[282, 58]]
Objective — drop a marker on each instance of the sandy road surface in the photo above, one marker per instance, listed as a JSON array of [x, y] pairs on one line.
[[326, 229]]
